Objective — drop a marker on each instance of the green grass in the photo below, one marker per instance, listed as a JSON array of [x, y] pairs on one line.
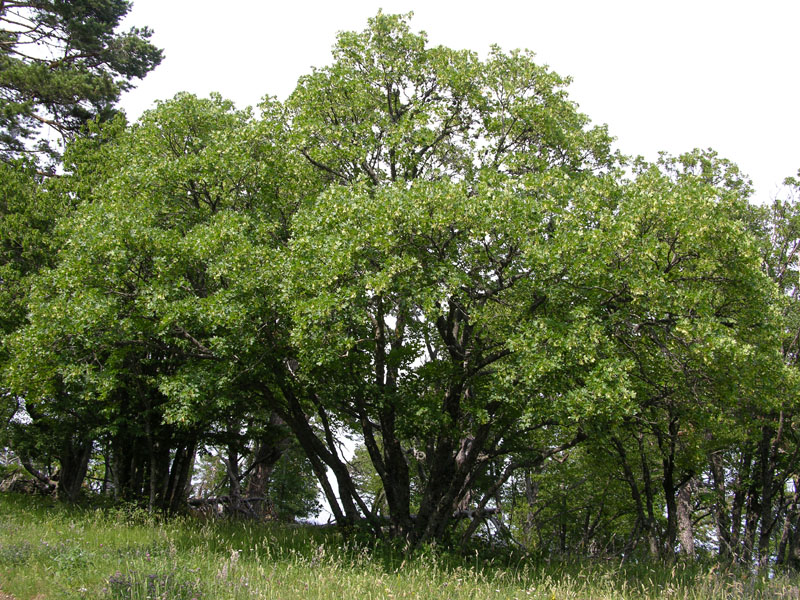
[[49, 551]]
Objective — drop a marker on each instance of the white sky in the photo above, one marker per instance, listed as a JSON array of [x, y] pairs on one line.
[[664, 75]]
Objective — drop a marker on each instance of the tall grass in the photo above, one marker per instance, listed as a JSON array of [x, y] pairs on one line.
[[48, 551]]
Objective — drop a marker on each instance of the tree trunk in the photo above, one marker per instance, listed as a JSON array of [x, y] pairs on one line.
[[451, 476], [74, 462], [180, 476], [752, 517], [397, 482], [42, 482], [643, 518], [391, 465], [684, 518], [267, 453], [668, 485], [720, 506], [651, 526], [793, 550], [739, 500], [786, 549], [768, 450], [321, 455], [389, 461], [234, 479], [106, 472], [159, 473]]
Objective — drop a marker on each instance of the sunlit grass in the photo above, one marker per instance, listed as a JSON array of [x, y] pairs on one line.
[[48, 551]]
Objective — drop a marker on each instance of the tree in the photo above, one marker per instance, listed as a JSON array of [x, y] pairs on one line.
[[63, 64], [479, 288], [29, 208], [109, 331], [763, 465], [696, 314], [436, 259], [441, 258]]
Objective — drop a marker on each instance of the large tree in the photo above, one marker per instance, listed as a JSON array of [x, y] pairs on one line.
[[62, 63], [30, 206], [437, 257], [141, 307]]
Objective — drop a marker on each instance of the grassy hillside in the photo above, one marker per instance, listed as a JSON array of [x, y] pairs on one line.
[[48, 551]]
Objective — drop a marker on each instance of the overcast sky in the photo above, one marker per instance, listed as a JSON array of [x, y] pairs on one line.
[[664, 75]]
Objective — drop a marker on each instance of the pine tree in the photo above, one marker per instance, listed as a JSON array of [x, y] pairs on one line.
[[62, 63]]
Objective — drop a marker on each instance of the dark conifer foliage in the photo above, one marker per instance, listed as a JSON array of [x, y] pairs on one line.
[[63, 63]]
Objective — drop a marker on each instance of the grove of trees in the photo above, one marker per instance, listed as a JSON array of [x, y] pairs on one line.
[[437, 257]]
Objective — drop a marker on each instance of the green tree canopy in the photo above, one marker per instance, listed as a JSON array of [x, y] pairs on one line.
[[144, 302], [439, 256]]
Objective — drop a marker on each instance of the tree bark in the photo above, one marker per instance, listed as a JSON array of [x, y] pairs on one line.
[[720, 506], [787, 549], [266, 455], [739, 500], [643, 518], [684, 519], [74, 462]]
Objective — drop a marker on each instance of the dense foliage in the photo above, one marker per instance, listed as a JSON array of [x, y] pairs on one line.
[[63, 64], [440, 259]]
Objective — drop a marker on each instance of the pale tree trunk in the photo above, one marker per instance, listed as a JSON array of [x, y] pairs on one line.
[[684, 518], [739, 499], [787, 548], [720, 508]]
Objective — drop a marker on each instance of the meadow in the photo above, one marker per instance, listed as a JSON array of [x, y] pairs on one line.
[[51, 551]]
